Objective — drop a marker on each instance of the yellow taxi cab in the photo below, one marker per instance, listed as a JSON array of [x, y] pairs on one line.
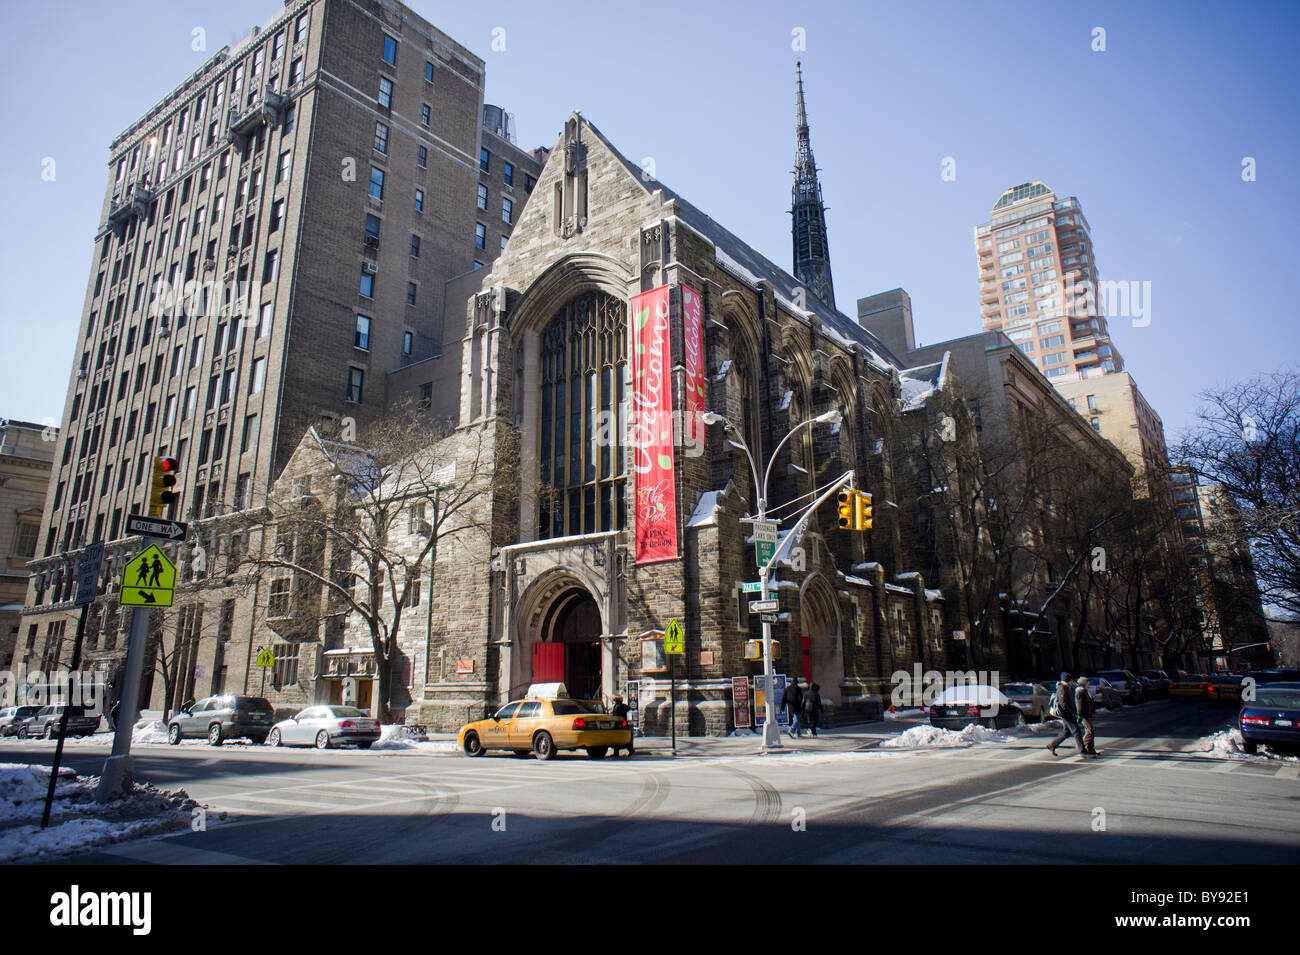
[[545, 722], [1189, 686], [1225, 688]]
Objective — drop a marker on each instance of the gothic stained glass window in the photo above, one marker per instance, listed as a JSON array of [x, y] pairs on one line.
[[581, 426]]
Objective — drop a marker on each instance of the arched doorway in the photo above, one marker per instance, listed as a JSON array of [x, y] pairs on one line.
[[559, 637], [823, 653]]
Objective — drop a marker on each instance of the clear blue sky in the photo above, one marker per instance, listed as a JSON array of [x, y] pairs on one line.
[[1149, 134]]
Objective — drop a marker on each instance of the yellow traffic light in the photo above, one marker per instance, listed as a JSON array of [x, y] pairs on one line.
[[160, 488], [847, 511], [862, 520]]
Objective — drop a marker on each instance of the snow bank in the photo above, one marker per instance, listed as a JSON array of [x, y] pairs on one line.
[[149, 731], [908, 714], [77, 820], [935, 737], [1228, 744], [404, 739]]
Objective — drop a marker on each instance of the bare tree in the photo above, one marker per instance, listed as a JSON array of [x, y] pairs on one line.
[[1247, 440], [367, 540]]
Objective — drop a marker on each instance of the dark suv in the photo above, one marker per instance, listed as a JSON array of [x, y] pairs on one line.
[[45, 724], [219, 718]]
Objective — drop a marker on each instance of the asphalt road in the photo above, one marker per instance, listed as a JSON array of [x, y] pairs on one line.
[[1148, 799]]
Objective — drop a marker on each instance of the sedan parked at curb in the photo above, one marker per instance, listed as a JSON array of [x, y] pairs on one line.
[[12, 718], [219, 718], [959, 706], [325, 727], [1126, 684], [1273, 718], [1032, 698], [1104, 695]]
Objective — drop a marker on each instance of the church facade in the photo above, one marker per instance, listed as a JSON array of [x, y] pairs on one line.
[[568, 581]]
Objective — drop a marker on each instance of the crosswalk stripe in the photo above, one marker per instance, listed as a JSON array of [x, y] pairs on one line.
[[1288, 772]]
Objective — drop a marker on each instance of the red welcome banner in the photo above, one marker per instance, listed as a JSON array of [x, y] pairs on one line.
[[652, 427], [693, 345]]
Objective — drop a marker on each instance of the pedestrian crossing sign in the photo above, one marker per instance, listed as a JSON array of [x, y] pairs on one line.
[[674, 638], [148, 580], [265, 658]]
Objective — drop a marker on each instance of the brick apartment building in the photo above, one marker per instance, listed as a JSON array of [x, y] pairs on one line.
[[280, 234]]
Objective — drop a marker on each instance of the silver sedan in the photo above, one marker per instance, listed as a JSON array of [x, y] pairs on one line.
[[326, 726], [1032, 699]]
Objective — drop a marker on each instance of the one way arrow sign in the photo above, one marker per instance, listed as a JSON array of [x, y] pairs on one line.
[[155, 527]]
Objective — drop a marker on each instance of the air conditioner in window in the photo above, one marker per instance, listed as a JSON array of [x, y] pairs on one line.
[[369, 268]]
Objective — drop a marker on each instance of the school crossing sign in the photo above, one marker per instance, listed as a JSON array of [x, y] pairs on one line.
[[148, 580]]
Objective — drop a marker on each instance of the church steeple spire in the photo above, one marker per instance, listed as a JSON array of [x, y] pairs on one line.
[[812, 256]]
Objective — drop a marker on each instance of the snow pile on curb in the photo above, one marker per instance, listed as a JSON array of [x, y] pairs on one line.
[[77, 821], [1225, 744], [936, 737], [149, 731], [912, 714], [403, 738]]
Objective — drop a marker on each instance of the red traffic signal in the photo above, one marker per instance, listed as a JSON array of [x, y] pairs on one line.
[[160, 488]]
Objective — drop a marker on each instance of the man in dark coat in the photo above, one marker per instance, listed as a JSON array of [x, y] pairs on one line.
[[621, 710], [1067, 715], [812, 708], [794, 704], [1084, 706]]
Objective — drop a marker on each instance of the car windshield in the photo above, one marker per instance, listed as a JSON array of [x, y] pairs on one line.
[[1285, 699], [347, 711], [1017, 689]]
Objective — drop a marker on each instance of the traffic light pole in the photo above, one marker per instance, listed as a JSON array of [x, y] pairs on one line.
[[117, 777]]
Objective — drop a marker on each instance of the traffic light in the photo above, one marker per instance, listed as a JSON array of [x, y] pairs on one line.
[[160, 488], [863, 516], [847, 510]]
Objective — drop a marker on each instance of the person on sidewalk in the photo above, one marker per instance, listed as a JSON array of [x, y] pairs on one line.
[[812, 708], [1063, 709], [620, 710], [1084, 706], [794, 704]]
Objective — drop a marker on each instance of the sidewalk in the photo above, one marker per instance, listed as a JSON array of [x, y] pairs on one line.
[[836, 739]]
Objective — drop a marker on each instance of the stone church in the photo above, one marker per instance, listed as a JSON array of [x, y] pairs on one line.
[[569, 584]]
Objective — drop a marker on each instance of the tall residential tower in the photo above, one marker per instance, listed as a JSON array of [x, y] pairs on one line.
[[1038, 283]]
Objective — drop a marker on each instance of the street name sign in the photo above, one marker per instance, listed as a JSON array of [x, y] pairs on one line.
[[148, 580], [92, 561], [763, 606], [751, 587], [156, 527]]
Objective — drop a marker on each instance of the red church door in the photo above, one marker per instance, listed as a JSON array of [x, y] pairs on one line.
[[548, 663]]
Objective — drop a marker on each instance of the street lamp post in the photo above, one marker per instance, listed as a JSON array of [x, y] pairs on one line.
[[771, 729]]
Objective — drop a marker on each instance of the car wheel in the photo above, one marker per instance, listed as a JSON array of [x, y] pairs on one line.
[[22, 732], [174, 734], [473, 746], [1251, 748], [274, 738], [597, 752], [543, 745], [214, 734], [323, 740], [1019, 720]]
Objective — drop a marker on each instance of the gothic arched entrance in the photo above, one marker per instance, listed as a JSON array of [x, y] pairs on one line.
[[560, 637], [823, 653]]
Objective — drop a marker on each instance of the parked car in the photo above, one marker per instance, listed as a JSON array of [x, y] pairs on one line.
[[1104, 694], [1125, 683], [1225, 688], [1190, 686], [1152, 688], [12, 718], [1160, 678], [45, 724], [1032, 698], [1273, 718], [544, 727], [219, 718], [326, 726], [959, 706]]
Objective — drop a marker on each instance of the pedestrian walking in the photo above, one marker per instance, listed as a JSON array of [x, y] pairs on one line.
[[621, 710], [112, 715], [812, 708], [1084, 706], [1063, 708], [794, 704]]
